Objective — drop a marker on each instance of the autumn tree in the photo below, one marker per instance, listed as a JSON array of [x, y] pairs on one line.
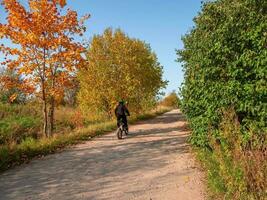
[[45, 53], [119, 67]]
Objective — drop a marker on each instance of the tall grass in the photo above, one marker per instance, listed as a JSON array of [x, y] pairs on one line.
[[70, 131], [237, 166], [18, 122]]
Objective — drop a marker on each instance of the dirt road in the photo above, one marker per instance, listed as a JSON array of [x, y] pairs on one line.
[[152, 163]]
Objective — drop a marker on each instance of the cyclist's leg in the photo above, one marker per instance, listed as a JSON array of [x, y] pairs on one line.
[[118, 121], [125, 122]]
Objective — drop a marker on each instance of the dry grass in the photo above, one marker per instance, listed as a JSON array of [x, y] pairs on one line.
[[237, 166]]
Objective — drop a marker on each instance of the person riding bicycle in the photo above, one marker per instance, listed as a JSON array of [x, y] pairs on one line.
[[121, 111]]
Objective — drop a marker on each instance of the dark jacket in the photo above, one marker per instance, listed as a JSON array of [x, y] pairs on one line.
[[121, 110]]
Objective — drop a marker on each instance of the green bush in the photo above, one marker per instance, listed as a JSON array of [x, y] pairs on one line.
[[225, 64], [225, 59]]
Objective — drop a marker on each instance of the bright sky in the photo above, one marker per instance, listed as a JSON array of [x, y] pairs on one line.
[[161, 23]]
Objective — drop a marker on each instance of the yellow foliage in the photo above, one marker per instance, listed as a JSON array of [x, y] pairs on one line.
[[119, 67], [171, 100]]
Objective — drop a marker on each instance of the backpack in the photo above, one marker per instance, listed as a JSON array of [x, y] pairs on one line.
[[120, 110]]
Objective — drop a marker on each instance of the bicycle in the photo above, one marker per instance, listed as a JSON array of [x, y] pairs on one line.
[[122, 129]]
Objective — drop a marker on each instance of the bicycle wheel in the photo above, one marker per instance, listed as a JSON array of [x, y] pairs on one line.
[[119, 133]]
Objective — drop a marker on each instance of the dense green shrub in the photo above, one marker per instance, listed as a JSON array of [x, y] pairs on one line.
[[225, 64]]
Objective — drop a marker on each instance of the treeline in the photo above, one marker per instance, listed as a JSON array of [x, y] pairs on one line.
[[224, 95], [48, 67]]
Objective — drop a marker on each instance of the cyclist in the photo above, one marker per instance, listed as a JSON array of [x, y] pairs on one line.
[[121, 111]]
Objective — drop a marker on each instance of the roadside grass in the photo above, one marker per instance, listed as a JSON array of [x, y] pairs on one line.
[[236, 167], [18, 122], [215, 183], [13, 153]]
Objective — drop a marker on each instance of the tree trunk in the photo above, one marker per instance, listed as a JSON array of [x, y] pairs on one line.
[[45, 118], [51, 116], [45, 114], [52, 108]]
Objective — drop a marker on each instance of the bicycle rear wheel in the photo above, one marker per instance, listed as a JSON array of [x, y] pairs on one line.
[[119, 133]]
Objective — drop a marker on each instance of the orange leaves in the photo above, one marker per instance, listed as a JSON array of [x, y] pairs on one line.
[[12, 82], [13, 97], [2, 30], [7, 82], [47, 56], [62, 3]]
